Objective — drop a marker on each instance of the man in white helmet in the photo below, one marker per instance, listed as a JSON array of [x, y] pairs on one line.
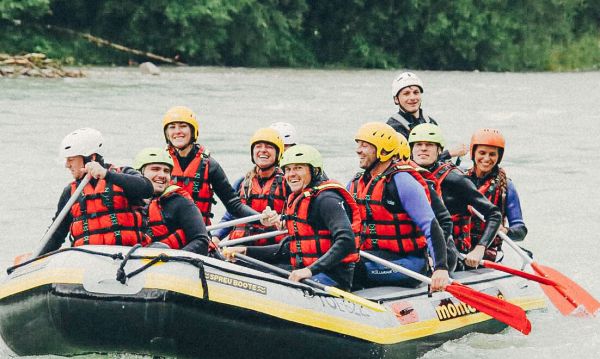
[[407, 89], [103, 214], [287, 132]]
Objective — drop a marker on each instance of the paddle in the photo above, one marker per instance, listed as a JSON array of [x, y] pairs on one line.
[[233, 222], [511, 270], [61, 216], [497, 308], [234, 242], [566, 295], [330, 290]]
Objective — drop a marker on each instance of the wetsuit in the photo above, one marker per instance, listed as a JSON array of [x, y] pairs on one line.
[[328, 211], [458, 192], [403, 122], [220, 185], [179, 212], [135, 187], [223, 232], [510, 206], [404, 194]]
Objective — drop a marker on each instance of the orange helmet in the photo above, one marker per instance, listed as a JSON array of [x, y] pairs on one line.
[[487, 137]]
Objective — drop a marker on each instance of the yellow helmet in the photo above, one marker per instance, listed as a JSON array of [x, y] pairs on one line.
[[380, 135], [403, 147], [181, 114], [268, 135]]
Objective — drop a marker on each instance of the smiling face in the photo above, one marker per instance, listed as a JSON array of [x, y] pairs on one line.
[[75, 165], [485, 158], [159, 174], [179, 134], [367, 154], [264, 154], [297, 176], [409, 98], [425, 153]]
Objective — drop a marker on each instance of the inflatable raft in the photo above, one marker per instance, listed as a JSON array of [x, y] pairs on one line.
[[105, 299]]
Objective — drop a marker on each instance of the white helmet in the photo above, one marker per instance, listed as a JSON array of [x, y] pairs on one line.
[[81, 142], [405, 79], [286, 131]]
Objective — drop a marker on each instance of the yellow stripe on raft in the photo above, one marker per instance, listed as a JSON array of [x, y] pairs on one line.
[[279, 309], [323, 320]]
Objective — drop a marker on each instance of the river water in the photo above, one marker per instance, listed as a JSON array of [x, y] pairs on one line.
[[550, 121]]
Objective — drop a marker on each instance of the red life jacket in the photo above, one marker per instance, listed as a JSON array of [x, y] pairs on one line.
[[494, 189], [157, 228], [307, 245], [461, 230], [381, 229], [273, 194], [195, 181], [102, 216]]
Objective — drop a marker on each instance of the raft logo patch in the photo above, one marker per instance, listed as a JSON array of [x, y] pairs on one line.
[[213, 277], [405, 313], [451, 308]]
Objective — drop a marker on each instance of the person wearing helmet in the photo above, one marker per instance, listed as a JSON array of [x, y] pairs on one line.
[[487, 150], [323, 220], [287, 132], [263, 186], [195, 170], [171, 216], [407, 89], [437, 204], [458, 192], [398, 223], [104, 214]]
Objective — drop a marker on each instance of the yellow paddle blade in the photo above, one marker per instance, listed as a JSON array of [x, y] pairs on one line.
[[355, 299]]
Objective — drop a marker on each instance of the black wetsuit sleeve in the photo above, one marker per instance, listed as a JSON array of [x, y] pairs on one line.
[[517, 232], [226, 193], [444, 156], [469, 195], [58, 237], [181, 213], [439, 246], [270, 253], [441, 212], [330, 211], [135, 186]]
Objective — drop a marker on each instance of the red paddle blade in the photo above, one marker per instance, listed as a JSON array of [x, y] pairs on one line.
[[497, 308], [567, 296], [519, 273]]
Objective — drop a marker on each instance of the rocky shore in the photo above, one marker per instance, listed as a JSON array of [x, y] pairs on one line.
[[34, 65]]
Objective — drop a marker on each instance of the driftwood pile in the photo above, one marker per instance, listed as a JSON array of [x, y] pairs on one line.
[[34, 65]]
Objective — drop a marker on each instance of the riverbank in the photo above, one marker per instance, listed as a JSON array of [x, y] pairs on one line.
[[34, 65]]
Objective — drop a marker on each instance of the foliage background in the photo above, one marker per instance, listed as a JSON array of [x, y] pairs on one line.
[[490, 35]]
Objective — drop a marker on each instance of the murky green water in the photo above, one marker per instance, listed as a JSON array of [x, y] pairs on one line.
[[551, 123]]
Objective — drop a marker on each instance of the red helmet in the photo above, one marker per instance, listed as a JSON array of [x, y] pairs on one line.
[[488, 137]]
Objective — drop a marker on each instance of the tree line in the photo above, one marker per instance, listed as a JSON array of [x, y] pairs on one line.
[[487, 35]]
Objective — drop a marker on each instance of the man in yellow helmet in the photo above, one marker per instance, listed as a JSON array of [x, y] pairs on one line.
[[398, 222], [195, 170], [263, 186]]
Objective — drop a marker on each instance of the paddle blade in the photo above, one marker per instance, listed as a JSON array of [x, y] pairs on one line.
[[520, 273], [355, 299], [497, 308], [567, 296]]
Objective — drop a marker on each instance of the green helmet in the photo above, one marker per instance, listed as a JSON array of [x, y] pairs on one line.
[[303, 154], [152, 155], [426, 132]]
